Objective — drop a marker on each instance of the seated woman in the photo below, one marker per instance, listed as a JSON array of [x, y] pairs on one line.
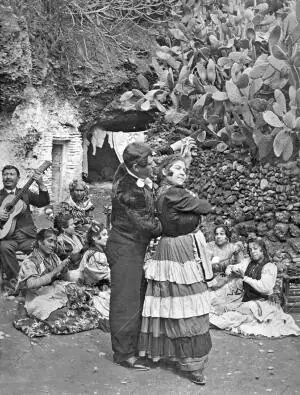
[[53, 303], [94, 266], [79, 205], [223, 253], [94, 269], [69, 244], [255, 314]]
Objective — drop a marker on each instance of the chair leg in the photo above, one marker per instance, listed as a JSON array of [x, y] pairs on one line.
[[285, 293]]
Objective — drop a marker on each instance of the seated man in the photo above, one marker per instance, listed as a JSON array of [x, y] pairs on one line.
[[24, 233]]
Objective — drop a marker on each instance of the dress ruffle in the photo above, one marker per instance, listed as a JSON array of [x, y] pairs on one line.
[[164, 289], [177, 307], [188, 273], [173, 329], [176, 260], [180, 348]]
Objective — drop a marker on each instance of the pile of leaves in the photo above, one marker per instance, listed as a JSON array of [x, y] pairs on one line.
[[229, 71]]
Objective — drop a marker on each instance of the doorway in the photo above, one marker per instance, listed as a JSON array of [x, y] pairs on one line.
[[57, 170]]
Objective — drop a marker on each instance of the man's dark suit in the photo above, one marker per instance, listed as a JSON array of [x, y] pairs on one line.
[[24, 234], [133, 226]]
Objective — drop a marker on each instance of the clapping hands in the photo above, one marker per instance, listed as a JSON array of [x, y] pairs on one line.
[[61, 269], [233, 270]]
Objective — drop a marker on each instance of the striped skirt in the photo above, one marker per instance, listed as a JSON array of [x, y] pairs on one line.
[[175, 323]]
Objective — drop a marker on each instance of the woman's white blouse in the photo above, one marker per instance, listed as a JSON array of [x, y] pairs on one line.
[[268, 276]]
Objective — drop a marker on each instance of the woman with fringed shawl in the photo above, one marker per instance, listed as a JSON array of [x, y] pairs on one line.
[[175, 323], [54, 303], [79, 205]]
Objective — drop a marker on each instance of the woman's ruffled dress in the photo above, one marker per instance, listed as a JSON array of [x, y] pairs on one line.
[[175, 323], [177, 303]]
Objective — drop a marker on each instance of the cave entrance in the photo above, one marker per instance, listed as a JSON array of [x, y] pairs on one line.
[[103, 164], [103, 152]]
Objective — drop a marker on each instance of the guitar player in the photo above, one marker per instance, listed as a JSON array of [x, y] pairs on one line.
[[25, 231]]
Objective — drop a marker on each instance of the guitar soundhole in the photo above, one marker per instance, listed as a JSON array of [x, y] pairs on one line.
[[9, 207]]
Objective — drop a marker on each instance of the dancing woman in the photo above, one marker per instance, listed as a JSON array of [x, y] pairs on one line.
[[175, 322]]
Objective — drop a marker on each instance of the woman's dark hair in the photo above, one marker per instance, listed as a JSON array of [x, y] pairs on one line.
[[43, 234], [260, 242], [11, 167], [93, 231], [226, 230], [61, 221], [166, 164]]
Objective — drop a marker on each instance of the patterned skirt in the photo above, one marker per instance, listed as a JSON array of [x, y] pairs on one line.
[[86, 309], [175, 322]]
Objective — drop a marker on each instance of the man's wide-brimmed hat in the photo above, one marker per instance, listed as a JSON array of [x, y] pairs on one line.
[[135, 153]]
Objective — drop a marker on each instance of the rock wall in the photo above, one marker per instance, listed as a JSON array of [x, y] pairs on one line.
[[15, 58], [43, 48], [58, 77], [261, 200], [32, 132]]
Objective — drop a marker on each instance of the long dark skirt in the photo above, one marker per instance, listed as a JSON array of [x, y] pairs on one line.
[[128, 286], [175, 324]]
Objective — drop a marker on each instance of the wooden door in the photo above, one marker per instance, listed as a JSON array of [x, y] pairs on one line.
[[57, 160]]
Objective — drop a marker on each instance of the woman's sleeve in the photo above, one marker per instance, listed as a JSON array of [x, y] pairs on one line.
[[97, 267], [268, 279], [27, 270], [184, 201], [37, 282]]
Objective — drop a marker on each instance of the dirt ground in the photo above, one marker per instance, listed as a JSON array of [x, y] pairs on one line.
[[82, 363]]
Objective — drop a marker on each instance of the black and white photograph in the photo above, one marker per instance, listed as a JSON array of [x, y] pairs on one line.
[[149, 197]]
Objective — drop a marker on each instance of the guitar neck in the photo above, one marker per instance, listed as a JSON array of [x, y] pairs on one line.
[[25, 188], [20, 193]]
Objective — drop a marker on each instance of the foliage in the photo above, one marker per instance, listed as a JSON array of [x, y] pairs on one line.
[[76, 43], [26, 144], [227, 70]]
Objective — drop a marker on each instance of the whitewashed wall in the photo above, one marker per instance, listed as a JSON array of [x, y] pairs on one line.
[[56, 121]]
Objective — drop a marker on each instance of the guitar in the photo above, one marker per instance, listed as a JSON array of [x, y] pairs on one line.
[[14, 205]]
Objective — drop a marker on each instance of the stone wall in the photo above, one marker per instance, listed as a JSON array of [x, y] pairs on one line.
[[261, 199], [255, 198], [28, 135]]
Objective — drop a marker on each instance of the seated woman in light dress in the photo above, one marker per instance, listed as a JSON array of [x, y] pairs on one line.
[[94, 266], [255, 313], [223, 253]]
